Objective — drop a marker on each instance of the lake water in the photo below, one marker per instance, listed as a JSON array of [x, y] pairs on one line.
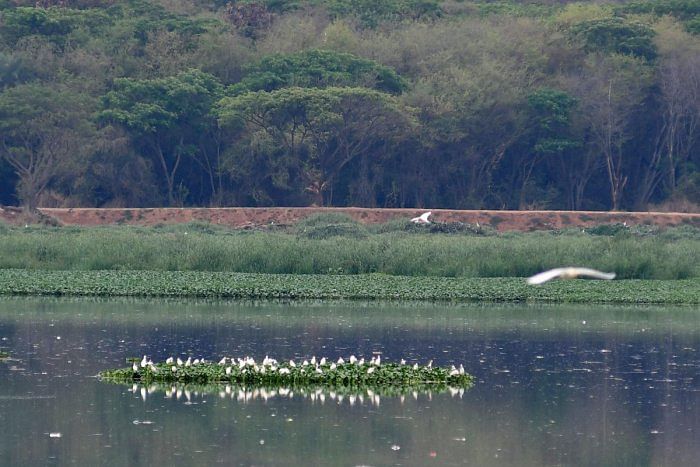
[[556, 385]]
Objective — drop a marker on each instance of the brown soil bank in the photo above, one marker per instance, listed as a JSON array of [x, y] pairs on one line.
[[261, 217]]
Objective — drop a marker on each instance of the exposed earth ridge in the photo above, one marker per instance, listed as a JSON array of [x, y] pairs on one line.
[[238, 217]]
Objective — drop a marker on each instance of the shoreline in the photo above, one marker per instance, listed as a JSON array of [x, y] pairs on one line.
[[247, 218]]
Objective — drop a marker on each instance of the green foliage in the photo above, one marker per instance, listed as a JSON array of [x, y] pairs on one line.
[[328, 225], [473, 106], [143, 17], [515, 9], [12, 71], [551, 111], [319, 68], [682, 9], [368, 13], [693, 25], [454, 228], [371, 12], [149, 106], [616, 35], [55, 22], [329, 286], [42, 132], [334, 230], [325, 218], [608, 229], [552, 108], [323, 130], [171, 116], [408, 253]]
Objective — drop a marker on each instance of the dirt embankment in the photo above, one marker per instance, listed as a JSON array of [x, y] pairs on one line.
[[261, 217]]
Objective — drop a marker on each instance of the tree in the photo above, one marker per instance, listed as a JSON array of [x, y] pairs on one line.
[[41, 130], [166, 116], [249, 17], [616, 35], [612, 91], [678, 116], [319, 68], [550, 117], [115, 176], [319, 130]]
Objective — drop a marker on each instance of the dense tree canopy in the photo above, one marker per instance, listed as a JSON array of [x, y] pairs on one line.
[[394, 103]]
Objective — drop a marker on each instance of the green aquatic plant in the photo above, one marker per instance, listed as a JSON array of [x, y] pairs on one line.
[[196, 284], [353, 373]]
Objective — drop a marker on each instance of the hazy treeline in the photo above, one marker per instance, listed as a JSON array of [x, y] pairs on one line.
[[393, 103]]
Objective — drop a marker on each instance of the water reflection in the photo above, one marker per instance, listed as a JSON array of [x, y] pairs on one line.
[[187, 393], [555, 385]]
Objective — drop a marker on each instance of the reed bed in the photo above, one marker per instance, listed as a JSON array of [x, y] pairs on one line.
[[352, 249]]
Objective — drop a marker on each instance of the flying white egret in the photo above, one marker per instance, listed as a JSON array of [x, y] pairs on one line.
[[422, 219], [569, 273]]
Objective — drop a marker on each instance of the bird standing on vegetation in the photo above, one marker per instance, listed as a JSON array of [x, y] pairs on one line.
[[422, 219], [569, 273]]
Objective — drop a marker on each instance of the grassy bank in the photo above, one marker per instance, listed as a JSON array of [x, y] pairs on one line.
[[338, 246], [361, 286]]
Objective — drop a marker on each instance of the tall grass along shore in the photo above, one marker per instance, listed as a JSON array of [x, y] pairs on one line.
[[337, 245], [333, 257]]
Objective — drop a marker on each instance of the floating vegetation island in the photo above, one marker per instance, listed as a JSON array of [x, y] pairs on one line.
[[352, 373]]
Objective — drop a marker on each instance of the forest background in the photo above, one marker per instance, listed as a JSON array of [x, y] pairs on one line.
[[395, 103]]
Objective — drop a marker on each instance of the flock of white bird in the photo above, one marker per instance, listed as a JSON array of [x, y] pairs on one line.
[[571, 272]]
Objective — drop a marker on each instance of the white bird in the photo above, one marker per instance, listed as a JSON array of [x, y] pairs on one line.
[[422, 219], [569, 273]]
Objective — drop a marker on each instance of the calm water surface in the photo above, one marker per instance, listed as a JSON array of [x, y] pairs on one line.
[[557, 385]]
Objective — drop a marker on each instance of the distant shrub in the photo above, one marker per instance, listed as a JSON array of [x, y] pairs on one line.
[[459, 228], [331, 224], [321, 232], [616, 35], [325, 218], [682, 9], [607, 229], [405, 225], [197, 226], [683, 232]]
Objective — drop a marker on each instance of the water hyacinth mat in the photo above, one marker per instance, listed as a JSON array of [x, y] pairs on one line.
[[246, 372]]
